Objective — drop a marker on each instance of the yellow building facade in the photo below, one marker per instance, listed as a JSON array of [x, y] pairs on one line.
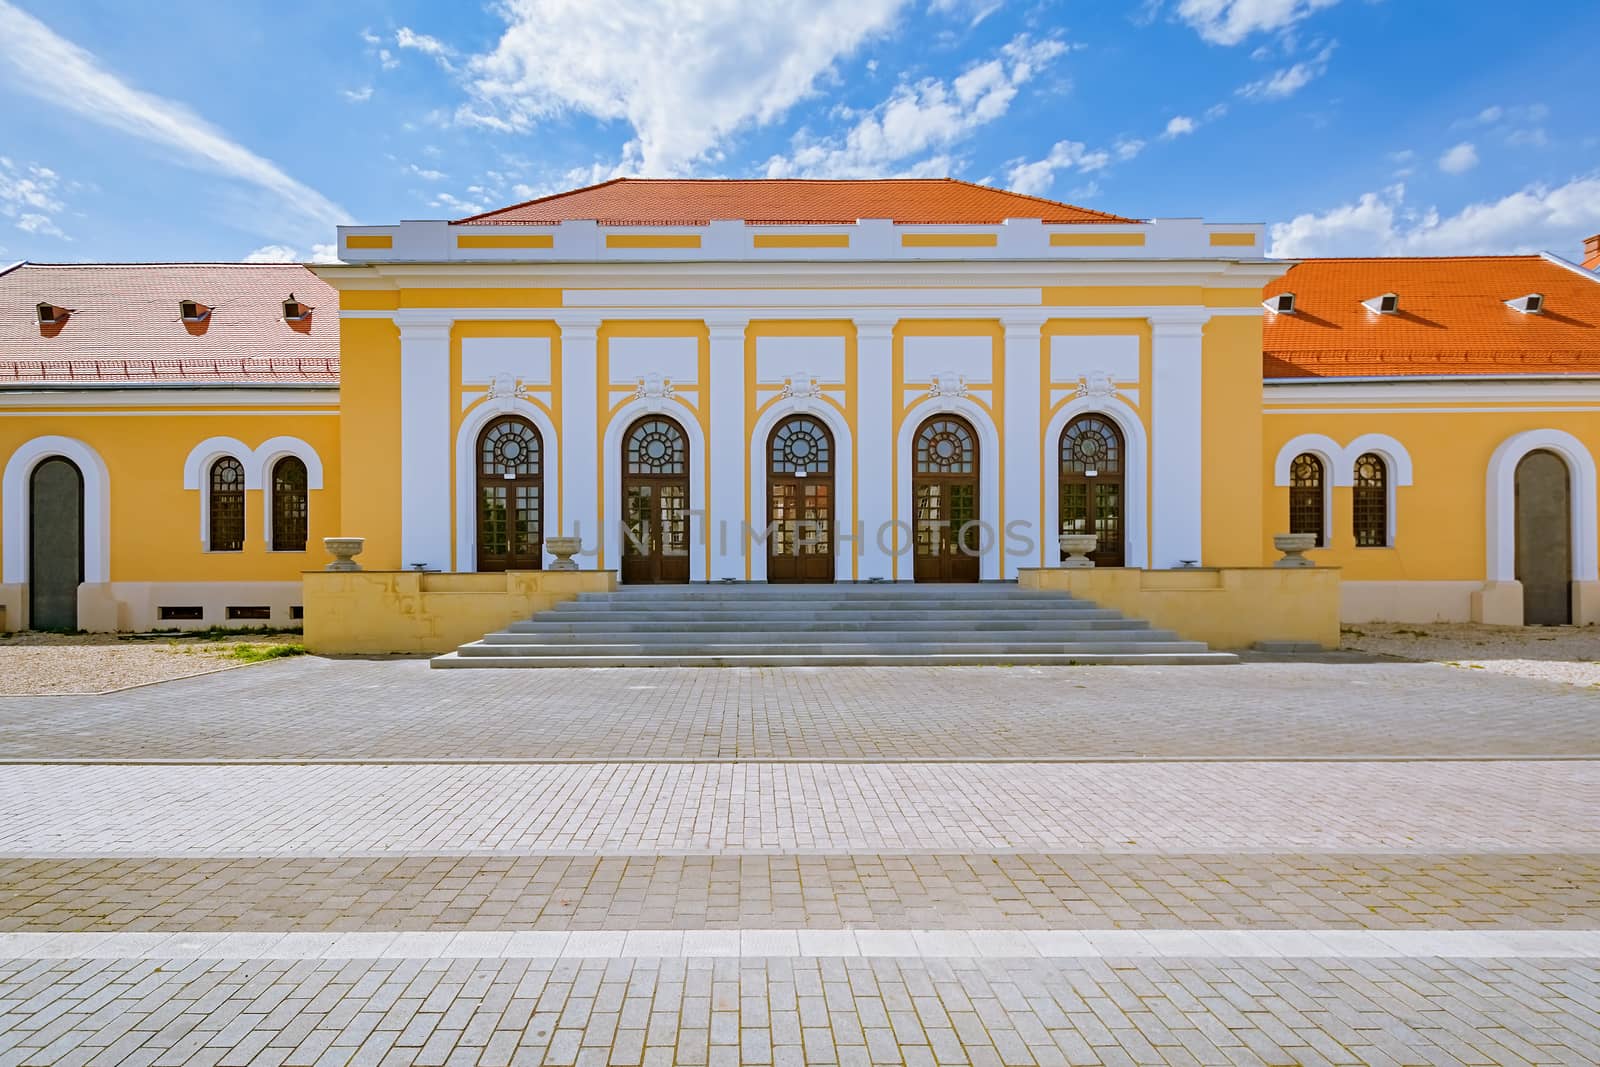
[[796, 381]]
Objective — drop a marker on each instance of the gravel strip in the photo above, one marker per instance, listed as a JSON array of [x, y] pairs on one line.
[[36, 664], [1553, 653]]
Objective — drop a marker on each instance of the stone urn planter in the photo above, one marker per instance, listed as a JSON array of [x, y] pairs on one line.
[[1294, 547], [344, 551], [1077, 547], [563, 549]]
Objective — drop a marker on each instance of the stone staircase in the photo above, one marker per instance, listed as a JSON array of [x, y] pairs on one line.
[[758, 625]]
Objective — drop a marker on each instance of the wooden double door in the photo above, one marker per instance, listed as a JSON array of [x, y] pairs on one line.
[[800, 501], [1091, 471], [655, 502], [947, 534], [510, 491]]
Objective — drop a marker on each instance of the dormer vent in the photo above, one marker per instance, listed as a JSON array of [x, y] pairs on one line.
[[1387, 304], [193, 310], [49, 314], [1282, 303], [1532, 304], [294, 310]]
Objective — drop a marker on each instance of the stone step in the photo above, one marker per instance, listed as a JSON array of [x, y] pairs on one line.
[[866, 638], [546, 624], [455, 660], [767, 648], [801, 607]]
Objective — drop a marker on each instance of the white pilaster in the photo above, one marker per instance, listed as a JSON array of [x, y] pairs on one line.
[[1021, 444], [425, 446], [580, 435], [875, 445], [1175, 460], [729, 446]]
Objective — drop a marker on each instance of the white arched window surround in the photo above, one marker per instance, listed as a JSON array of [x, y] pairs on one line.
[[16, 499], [466, 557], [843, 483], [988, 475], [621, 420], [1501, 503], [1135, 477], [257, 463], [1340, 468]]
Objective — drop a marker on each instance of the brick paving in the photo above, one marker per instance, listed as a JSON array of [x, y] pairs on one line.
[[879, 898], [857, 891], [367, 710]]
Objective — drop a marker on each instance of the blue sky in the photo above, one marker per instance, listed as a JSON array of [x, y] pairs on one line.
[[250, 129]]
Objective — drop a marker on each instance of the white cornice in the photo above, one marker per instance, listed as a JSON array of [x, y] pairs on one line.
[[1170, 315], [243, 400], [1580, 388]]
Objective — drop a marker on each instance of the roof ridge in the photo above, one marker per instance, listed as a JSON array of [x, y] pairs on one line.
[[541, 199], [1408, 259], [1041, 199], [165, 263]]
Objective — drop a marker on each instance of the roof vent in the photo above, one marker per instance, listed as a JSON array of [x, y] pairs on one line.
[[49, 314], [1532, 304], [294, 310], [193, 310], [1281, 303], [1387, 304]]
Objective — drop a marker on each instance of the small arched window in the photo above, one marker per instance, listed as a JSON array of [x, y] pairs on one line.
[[291, 507], [1371, 503], [1307, 497], [227, 505]]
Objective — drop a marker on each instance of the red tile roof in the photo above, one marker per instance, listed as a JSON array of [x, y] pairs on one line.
[[786, 201], [124, 325], [1453, 319]]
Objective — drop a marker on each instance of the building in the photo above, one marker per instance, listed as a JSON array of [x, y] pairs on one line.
[[798, 381]]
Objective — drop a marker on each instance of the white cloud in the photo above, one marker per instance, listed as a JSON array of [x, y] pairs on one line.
[[914, 130], [1460, 159], [30, 195], [457, 206], [406, 37], [693, 72], [1179, 125], [358, 96], [425, 173], [285, 254], [1289, 80], [1538, 217], [1231, 21], [58, 71], [1036, 178], [1128, 148]]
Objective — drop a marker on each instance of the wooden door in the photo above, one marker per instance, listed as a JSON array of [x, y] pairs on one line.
[[510, 494], [1091, 469], [55, 544], [655, 502], [947, 536], [800, 501], [1544, 539]]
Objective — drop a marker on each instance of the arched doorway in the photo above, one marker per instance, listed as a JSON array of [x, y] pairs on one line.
[[510, 477], [655, 502], [1544, 538], [1091, 472], [55, 544], [947, 538], [800, 503]]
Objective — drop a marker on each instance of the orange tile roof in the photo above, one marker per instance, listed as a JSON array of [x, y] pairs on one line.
[[1452, 319], [124, 325], [786, 201]]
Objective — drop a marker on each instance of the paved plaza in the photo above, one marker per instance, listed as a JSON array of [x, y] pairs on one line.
[[365, 862]]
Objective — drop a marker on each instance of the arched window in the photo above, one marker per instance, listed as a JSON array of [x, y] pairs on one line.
[[227, 505], [290, 505], [1371, 503], [510, 496], [1307, 497]]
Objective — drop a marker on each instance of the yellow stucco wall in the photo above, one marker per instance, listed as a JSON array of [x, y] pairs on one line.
[[1230, 607], [369, 351], [1439, 520], [378, 612], [1231, 442], [155, 522]]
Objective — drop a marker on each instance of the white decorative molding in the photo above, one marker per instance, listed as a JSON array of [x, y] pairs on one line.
[[504, 391], [197, 465], [264, 458], [1501, 506], [653, 387], [1320, 445], [949, 384], [1340, 460], [424, 437], [1177, 408], [1135, 472], [1097, 383], [1394, 454], [802, 388], [15, 514], [526, 359], [988, 479], [466, 477]]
